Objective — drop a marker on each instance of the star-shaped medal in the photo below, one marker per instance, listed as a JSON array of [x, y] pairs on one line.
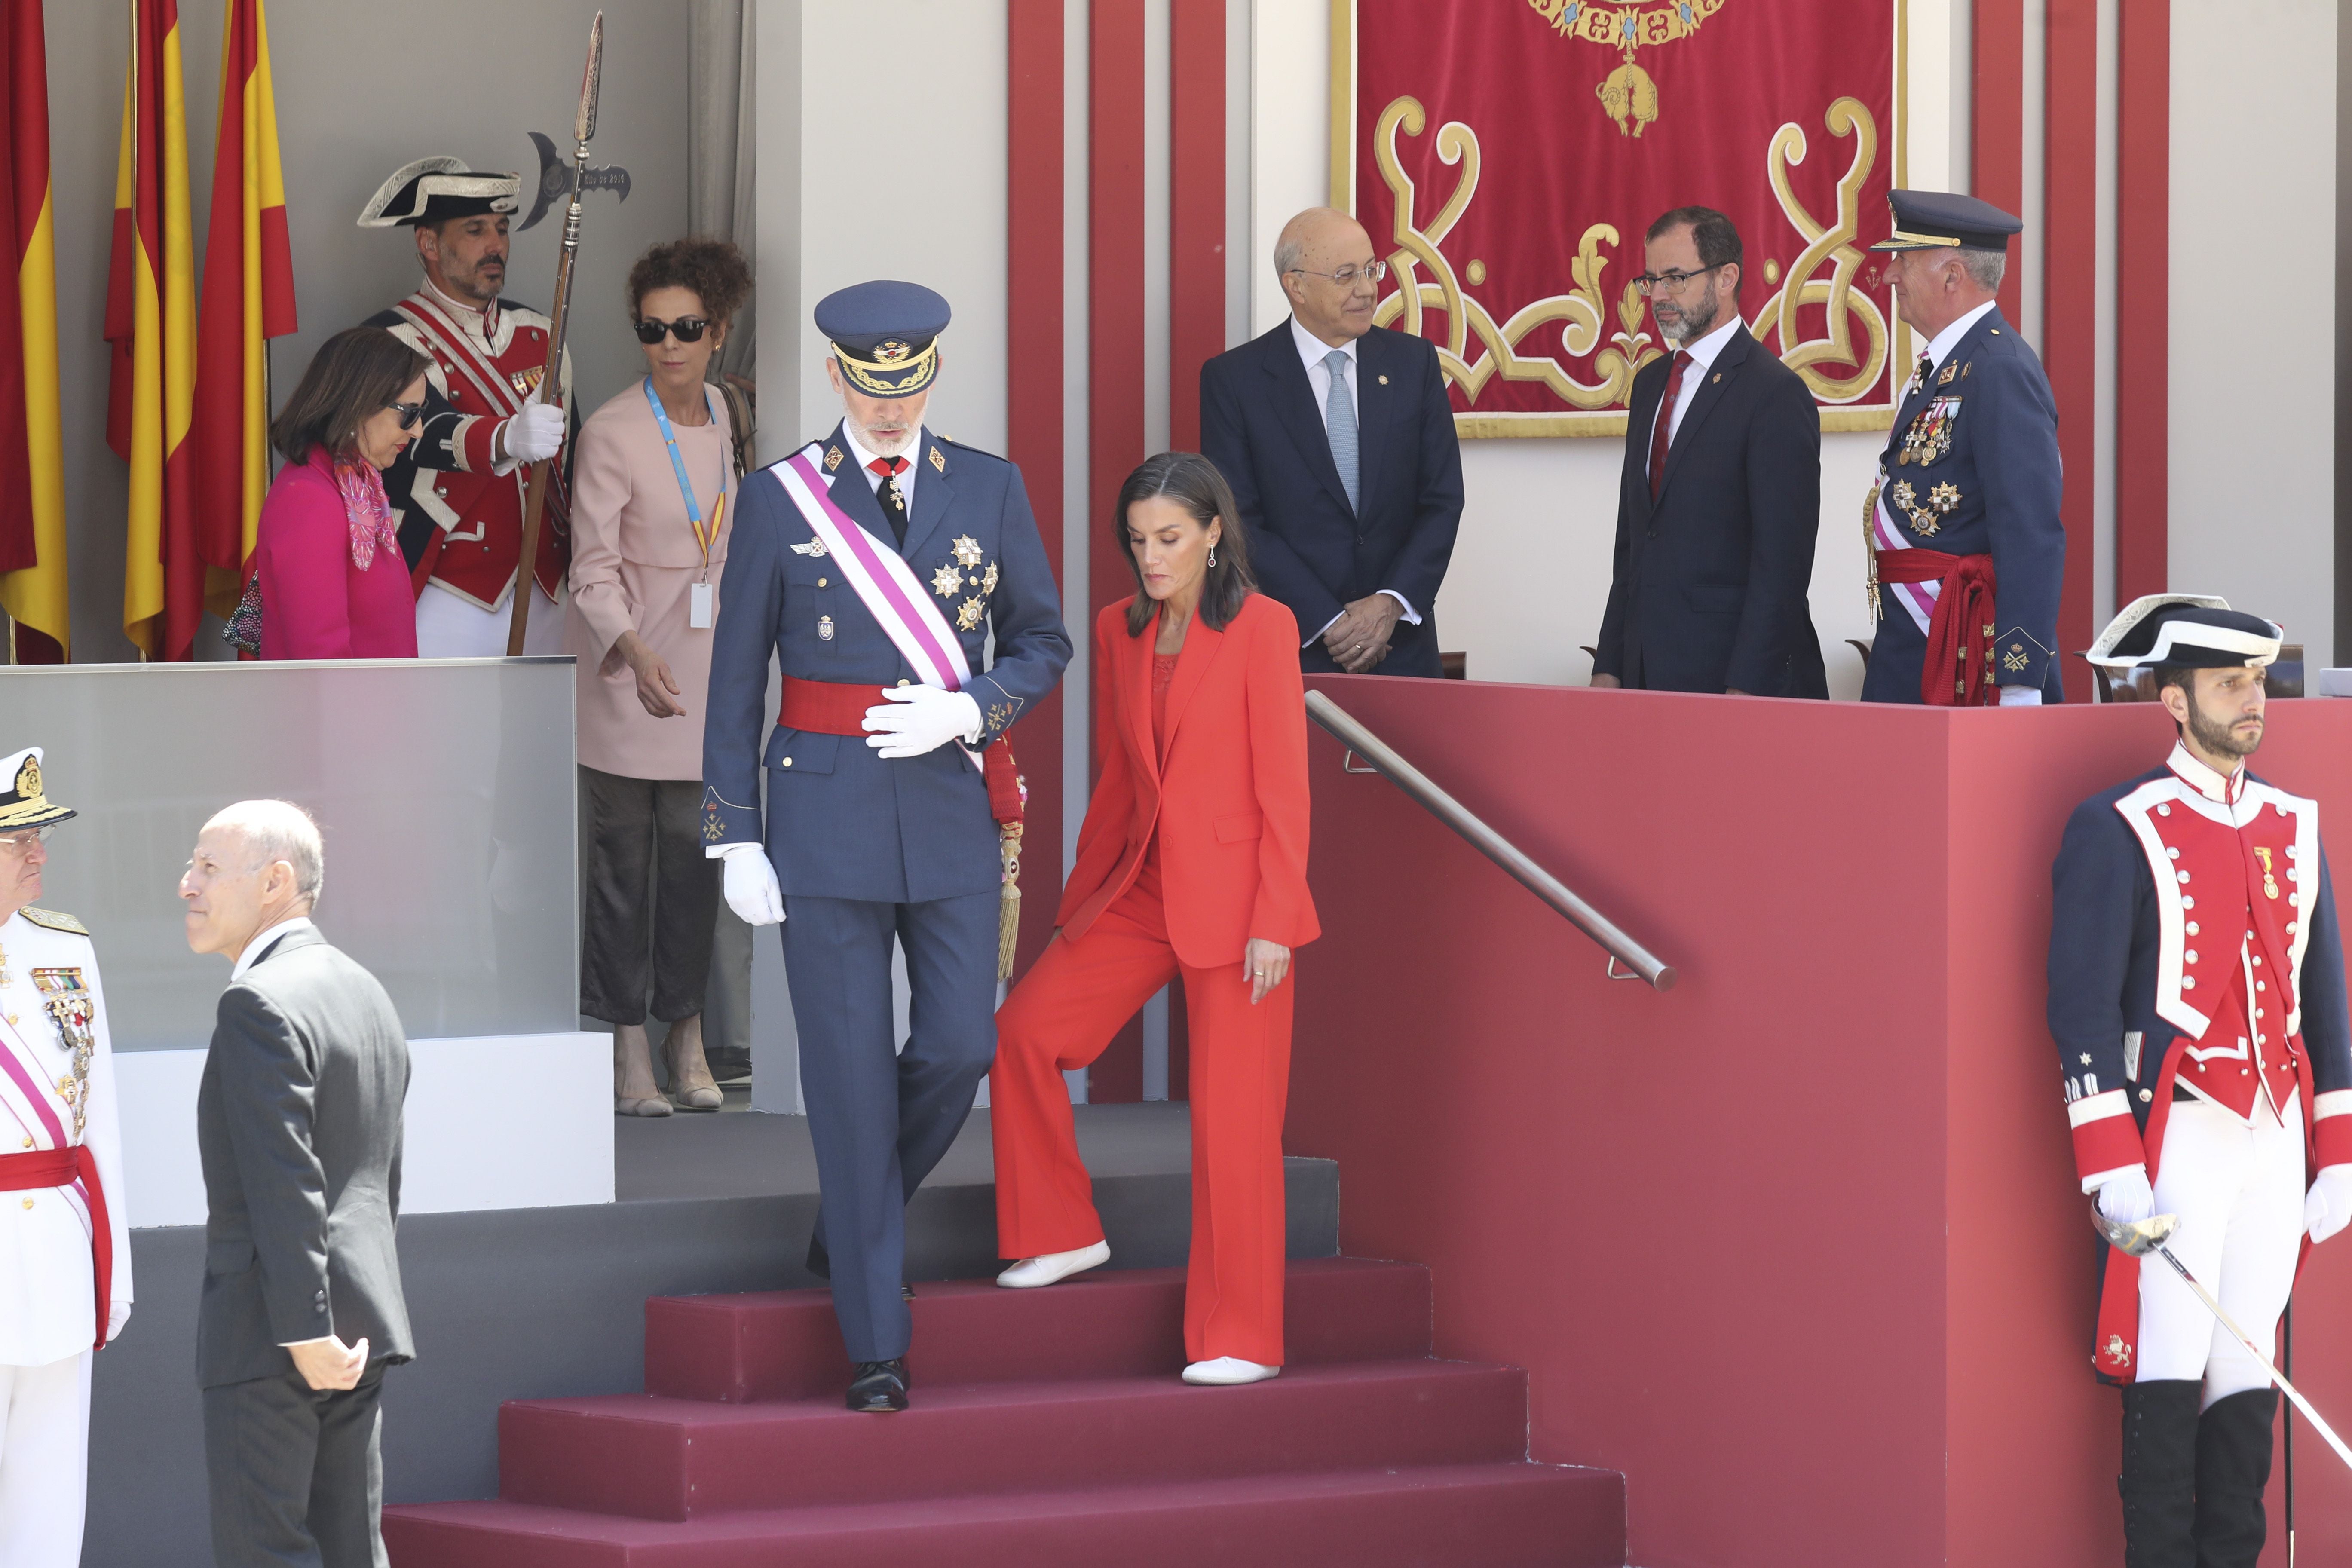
[[988, 579], [1944, 498], [967, 552], [946, 581], [967, 613]]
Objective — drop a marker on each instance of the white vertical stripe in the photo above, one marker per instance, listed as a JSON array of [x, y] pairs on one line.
[[1291, 136], [1240, 255], [2103, 356], [1156, 225], [2032, 245], [1077, 525]]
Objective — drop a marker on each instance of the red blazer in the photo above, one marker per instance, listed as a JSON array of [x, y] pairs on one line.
[[1227, 794]]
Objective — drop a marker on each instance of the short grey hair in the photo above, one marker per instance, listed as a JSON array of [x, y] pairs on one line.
[[1288, 256], [1985, 268], [279, 830]]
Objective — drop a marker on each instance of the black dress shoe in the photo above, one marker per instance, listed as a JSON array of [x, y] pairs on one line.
[[906, 1292], [879, 1386]]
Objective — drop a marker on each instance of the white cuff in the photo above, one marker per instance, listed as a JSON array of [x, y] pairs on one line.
[[2021, 697], [720, 851], [1318, 637], [1411, 616], [298, 1345]]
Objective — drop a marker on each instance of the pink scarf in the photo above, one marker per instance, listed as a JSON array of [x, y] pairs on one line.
[[367, 508]]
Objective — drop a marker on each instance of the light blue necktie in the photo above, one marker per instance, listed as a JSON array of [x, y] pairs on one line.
[[1340, 421]]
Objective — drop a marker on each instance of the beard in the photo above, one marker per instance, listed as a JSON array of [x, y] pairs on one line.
[[2218, 736], [1697, 318]]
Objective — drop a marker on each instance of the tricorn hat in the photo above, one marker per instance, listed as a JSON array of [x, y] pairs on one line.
[[431, 190], [885, 335], [2186, 631], [22, 803]]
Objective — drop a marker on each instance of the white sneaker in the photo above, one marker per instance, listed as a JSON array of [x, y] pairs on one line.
[[1032, 1272], [1228, 1372]]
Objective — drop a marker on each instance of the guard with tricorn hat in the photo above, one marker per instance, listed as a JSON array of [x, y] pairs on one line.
[[2196, 1000], [881, 567], [1965, 552], [457, 488], [64, 1284]]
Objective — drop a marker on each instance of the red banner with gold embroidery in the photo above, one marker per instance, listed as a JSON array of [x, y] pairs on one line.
[[1508, 156]]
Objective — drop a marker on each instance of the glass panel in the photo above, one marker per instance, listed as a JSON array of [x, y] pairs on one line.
[[443, 788]]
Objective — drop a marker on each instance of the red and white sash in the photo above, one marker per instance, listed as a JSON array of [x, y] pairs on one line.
[[29, 1096]]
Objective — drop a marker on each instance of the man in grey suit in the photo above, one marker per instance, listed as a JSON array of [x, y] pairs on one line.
[[298, 1123]]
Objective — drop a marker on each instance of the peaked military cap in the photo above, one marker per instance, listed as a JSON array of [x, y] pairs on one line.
[[433, 190], [2186, 631], [22, 803], [885, 335], [1931, 220]]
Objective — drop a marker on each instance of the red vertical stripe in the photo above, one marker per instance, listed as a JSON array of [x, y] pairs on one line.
[[1113, 355], [1196, 208], [1033, 391], [23, 168], [1997, 125], [217, 430], [2143, 287], [2069, 300]]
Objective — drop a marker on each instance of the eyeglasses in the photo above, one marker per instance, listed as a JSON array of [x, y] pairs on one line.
[[18, 843], [687, 328], [410, 413], [1346, 276], [1671, 282]]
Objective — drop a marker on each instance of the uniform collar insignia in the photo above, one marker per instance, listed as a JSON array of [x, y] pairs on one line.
[[939, 461], [833, 456]]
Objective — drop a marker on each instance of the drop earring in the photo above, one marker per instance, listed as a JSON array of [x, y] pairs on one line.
[[1213, 555]]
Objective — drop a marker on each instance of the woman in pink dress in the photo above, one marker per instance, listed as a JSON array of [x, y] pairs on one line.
[[326, 553]]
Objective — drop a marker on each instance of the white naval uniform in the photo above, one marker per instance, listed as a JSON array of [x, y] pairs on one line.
[[47, 1314]]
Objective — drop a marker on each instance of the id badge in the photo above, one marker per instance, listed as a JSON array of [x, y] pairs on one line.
[[698, 613]]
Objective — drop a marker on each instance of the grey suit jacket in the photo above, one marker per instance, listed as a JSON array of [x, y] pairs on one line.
[[298, 1120]]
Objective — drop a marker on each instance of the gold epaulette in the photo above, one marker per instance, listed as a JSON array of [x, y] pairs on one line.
[[54, 921]]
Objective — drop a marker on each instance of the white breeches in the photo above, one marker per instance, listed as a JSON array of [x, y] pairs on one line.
[[450, 627], [44, 1462], [2239, 1193]]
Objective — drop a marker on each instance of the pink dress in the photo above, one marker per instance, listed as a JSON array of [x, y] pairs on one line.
[[316, 601]]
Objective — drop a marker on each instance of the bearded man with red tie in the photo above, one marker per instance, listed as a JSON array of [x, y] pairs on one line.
[[1721, 493]]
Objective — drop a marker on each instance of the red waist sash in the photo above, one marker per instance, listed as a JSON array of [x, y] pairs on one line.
[[60, 1168], [835, 708], [1957, 671]]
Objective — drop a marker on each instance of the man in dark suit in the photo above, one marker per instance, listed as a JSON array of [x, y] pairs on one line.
[[1338, 440], [298, 1120], [1721, 494]]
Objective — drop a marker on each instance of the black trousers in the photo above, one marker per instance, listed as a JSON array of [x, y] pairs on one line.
[[653, 900], [297, 1475]]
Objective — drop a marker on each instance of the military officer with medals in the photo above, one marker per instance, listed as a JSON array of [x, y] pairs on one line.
[[878, 566], [1962, 533], [2197, 999], [457, 489], [65, 1241]]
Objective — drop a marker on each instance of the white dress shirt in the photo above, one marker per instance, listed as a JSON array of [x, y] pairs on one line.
[[1314, 351], [1703, 354], [261, 943], [861, 456]]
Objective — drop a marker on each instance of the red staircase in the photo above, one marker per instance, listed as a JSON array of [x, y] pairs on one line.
[[1048, 1428]]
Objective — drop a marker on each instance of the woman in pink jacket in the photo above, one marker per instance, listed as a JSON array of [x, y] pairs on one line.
[[332, 582]]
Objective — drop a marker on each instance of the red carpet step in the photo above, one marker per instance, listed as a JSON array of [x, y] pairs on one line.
[[1048, 1427]]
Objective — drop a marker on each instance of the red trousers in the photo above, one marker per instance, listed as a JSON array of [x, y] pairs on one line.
[[1060, 1017]]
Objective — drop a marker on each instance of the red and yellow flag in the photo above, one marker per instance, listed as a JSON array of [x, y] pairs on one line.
[[248, 299], [150, 319], [32, 459]]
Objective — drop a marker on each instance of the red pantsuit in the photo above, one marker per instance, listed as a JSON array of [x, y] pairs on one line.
[[1194, 842]]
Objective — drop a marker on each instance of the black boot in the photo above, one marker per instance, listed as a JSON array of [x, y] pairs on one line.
[[2159, 1476], [2233, 1466]]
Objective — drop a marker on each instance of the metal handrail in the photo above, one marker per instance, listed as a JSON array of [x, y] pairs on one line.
[[1360, 741]]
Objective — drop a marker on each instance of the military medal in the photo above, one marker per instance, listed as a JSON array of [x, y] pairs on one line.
[[74, 1010], [967, 613], [988, 579], [946, 581], [967, 552], [2270, 882], [813, 548], [824, 628]]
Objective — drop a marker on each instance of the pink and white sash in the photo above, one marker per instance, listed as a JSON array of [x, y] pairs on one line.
[[28, 1098]]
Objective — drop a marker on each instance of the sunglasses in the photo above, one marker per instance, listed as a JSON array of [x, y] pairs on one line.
[[688, 330], [410, 413]]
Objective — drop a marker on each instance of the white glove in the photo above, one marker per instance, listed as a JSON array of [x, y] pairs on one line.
[[749, 881], [2126, 1198], [535, 435], [919, 719], [117, 1314], [2328, 1205]]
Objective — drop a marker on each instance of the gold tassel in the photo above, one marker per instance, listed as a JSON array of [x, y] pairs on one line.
[[1008, 917]]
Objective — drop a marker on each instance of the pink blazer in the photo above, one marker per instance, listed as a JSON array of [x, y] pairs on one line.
[[315, 603]]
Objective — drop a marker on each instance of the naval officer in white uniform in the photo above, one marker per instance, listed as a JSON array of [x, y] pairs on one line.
[[65, 1245]]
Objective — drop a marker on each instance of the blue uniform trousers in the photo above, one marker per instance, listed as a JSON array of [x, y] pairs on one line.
[[880, 1118]]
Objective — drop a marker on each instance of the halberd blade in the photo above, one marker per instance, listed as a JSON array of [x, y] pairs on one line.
[[584, 127]]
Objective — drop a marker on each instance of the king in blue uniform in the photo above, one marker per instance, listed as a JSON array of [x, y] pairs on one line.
[[1966, 547], [877, 566]]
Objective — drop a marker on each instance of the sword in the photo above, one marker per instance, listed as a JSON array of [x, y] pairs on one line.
[[2138, 1238], [535, 500]]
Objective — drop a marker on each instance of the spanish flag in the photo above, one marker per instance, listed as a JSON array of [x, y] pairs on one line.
[[32, 459], [248, 299], [150, 319]]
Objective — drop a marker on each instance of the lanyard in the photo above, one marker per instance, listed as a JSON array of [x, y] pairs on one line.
[[702, 536]]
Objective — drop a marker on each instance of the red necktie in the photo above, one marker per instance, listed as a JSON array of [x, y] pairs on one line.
[[888, 467], [1662, 431]]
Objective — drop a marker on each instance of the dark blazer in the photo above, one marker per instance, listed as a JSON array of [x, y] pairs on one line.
[[1710, 584], [1261, 426], [298, 1120]]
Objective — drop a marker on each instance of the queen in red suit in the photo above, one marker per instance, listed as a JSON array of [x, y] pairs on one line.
[[1193, 861], [326, 551]]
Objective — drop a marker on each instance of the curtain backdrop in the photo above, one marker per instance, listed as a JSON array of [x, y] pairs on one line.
[[719, 148]]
